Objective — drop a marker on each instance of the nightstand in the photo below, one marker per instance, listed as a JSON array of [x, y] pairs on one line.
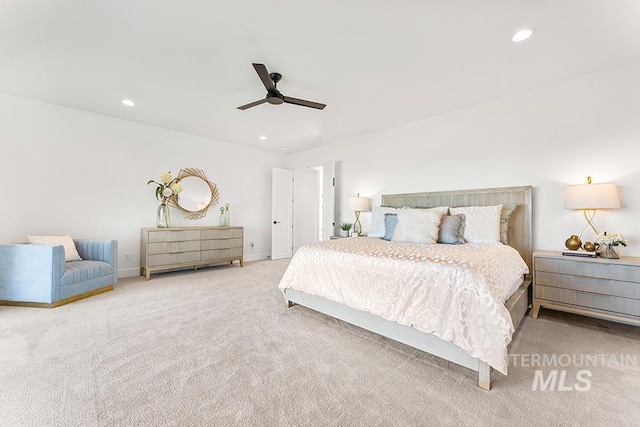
[[597, 287]]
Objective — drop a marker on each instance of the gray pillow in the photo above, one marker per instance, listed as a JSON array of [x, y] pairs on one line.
[[507, 210], [452, 229], [390, 222]]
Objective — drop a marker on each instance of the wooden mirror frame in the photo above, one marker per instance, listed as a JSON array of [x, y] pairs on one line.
[[174, 200]]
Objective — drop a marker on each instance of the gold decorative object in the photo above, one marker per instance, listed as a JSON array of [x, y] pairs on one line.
[[573, 243], [589, 247], [180, 201]]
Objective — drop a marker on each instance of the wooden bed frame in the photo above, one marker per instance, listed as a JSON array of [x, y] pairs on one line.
[[520, 237]]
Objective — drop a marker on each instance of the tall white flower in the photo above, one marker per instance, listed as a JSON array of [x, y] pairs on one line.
[[166, 177], [176, 188]]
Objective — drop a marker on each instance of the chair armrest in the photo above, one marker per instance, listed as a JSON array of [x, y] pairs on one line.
[[98, 250], [31, 272]]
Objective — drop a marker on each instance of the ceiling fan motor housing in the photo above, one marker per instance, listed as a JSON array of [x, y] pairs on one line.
[[275, 98]]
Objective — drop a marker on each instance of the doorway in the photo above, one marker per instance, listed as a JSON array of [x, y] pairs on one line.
[[310, 208]]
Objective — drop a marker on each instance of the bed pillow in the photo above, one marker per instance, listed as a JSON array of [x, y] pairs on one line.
[[376, 228], [417, 226], [390, 222], [452, 229], [442, 210], [507, 210], [482, 223], [70, 251]]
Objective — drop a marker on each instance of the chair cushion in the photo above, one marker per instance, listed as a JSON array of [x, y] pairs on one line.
[[80, 271]]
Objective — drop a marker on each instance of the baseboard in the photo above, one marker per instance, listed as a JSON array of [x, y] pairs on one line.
[[128, 272], [256, 257]]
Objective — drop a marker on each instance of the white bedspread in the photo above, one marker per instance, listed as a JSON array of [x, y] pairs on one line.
[[456, 292]]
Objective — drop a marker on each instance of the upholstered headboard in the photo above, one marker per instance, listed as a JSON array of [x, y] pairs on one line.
[[520, 232]]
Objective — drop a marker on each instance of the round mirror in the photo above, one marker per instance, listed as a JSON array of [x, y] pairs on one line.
[[197, 196]]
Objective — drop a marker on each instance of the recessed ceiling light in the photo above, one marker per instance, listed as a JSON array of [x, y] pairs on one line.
[[262, 138], [128, 102], [522, 35], [283, 148]]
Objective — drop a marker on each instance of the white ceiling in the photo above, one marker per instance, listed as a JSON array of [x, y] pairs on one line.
[[376, 64]]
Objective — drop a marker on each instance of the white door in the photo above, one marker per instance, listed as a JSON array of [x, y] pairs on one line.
[[306, 207], [281, 214], [328, 199]]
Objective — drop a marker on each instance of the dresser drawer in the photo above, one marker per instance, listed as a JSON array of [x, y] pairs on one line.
[[173, 247], [589, 300], [222, 233], [174, 235], [221, 254], [178, 258], [221, 244], [588, 284], [595, 269]]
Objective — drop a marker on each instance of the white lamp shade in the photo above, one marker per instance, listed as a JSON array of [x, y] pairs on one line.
[[359, 204], [592, 196]]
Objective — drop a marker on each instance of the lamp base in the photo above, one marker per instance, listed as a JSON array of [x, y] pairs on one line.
[[357, 227]]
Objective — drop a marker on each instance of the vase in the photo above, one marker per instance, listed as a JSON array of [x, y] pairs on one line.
[[573, 243], [609, 252], [162, 216]]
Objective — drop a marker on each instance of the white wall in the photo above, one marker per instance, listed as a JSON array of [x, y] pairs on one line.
[[71, 172], [548, 137]]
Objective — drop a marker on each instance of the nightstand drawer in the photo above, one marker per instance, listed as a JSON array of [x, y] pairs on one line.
[[588, 284], [589, 300], [596, 268]]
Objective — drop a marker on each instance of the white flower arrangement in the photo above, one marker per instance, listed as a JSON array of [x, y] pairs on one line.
[[168, 187], [610, 239]]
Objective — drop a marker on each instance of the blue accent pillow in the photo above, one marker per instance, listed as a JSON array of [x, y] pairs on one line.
[[452, 229], [390, 222]]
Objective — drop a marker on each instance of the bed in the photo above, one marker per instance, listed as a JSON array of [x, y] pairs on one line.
[[469, 317]]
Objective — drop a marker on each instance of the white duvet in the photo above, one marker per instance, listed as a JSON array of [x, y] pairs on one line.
[[456, 292]]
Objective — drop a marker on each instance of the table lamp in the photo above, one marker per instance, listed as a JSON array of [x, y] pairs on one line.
[[590, 197], [358, 204]]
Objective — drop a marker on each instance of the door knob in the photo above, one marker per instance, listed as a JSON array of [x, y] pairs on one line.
[[276, 222]]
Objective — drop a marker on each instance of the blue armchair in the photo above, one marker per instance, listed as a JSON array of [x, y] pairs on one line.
[[38, 276]]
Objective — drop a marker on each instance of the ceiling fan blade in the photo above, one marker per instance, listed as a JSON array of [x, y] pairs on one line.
[[304, 103], [252, 104], [264, 76]]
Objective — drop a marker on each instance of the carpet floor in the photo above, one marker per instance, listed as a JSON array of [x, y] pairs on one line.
[[217, 347]]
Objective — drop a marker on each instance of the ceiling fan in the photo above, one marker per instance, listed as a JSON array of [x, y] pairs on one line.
[[273, 94]]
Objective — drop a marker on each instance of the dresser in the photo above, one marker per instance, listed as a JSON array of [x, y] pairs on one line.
[[597, 287], [182, 247]]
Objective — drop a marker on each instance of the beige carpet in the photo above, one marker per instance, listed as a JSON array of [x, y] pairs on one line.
[[217, 347]]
